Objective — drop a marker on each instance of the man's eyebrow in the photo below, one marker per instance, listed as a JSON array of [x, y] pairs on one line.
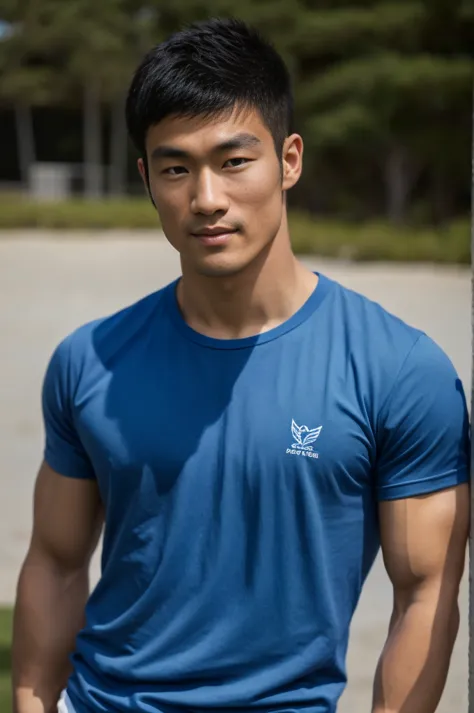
[[168, 152], [239, 141]]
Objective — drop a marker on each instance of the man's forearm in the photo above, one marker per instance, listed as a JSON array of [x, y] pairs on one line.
[[412, 670], [49, 612]]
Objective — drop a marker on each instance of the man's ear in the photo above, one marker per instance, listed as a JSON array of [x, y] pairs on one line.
[[292, 161], [143, 171]]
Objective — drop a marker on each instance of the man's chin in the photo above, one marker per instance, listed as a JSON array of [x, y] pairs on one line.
[[221, 265], [225, 269]]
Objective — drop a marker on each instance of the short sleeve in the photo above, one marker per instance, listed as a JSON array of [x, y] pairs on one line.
[[423, 429], [63, 450]]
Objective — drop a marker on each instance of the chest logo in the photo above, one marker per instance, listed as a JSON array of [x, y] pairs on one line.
[[303, 438]]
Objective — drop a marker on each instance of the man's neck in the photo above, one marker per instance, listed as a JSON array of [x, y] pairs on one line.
[[259, 298]]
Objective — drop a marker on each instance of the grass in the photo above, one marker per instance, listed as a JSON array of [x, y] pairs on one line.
[[5, 664], [328, 238], [381, 241], [77, 214]]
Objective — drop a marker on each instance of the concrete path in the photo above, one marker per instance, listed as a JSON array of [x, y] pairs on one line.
[[49, 287]]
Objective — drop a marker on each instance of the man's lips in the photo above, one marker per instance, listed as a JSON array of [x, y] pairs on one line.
[[212, 232], [214, 236]]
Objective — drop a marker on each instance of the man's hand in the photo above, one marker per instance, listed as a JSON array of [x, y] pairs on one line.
[[424, 547]]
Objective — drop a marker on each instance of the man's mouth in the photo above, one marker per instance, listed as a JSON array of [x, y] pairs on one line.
[[214, 236]]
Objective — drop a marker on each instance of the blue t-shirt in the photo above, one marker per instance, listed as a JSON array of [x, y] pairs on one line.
[[240, 481]]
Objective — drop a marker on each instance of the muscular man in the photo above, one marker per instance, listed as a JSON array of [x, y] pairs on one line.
[[250, 435]]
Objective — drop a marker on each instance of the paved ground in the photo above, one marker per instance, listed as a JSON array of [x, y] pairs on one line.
[[47, 288]]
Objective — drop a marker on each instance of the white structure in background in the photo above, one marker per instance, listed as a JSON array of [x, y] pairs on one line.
[[50, 181]]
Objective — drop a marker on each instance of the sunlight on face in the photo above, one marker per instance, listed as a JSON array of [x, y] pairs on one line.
[[217, 186]]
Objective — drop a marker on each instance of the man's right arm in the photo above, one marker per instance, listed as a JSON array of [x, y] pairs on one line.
[[53, 588]]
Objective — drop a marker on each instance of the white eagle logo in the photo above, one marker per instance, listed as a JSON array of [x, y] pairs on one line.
[[304, 436]]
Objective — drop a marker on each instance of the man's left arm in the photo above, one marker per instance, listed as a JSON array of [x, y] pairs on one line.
[[422, 478], [424, 546]]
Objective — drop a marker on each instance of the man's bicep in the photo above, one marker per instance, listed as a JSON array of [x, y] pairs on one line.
[[424, 540], [67, 519]]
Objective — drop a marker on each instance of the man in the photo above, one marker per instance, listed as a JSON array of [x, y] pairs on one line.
[[250, 434]]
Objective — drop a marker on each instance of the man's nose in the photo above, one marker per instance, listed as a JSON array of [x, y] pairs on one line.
[[209, 196]]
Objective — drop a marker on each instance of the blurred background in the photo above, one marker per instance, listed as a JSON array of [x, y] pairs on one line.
[[384, 103], [383, 100]]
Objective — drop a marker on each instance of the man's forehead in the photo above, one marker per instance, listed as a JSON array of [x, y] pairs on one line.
[[209, 133]]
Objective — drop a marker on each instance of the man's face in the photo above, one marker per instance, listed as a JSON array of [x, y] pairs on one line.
[[218, 188]]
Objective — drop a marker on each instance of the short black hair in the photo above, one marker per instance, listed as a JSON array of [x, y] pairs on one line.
[[211, 68]]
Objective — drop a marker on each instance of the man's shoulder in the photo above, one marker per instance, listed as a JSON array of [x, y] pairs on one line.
[[382, 347], [103, 336], [372, 325]]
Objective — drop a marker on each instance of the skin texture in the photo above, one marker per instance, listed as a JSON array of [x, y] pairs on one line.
[[424, 547], [53, 588], [248, 284]]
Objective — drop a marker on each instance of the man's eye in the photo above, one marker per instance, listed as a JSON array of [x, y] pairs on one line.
[[174, 170], [236, 162]]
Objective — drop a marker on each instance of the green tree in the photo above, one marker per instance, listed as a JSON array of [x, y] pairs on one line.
[[383, 88], [61, 51], [89, 39], [385, 85], [25, 78]]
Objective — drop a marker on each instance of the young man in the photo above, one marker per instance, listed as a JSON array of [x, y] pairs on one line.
[[250, 434]]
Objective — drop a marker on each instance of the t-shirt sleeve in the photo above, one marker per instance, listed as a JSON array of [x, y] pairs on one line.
[[423, 430], [63, 450]]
